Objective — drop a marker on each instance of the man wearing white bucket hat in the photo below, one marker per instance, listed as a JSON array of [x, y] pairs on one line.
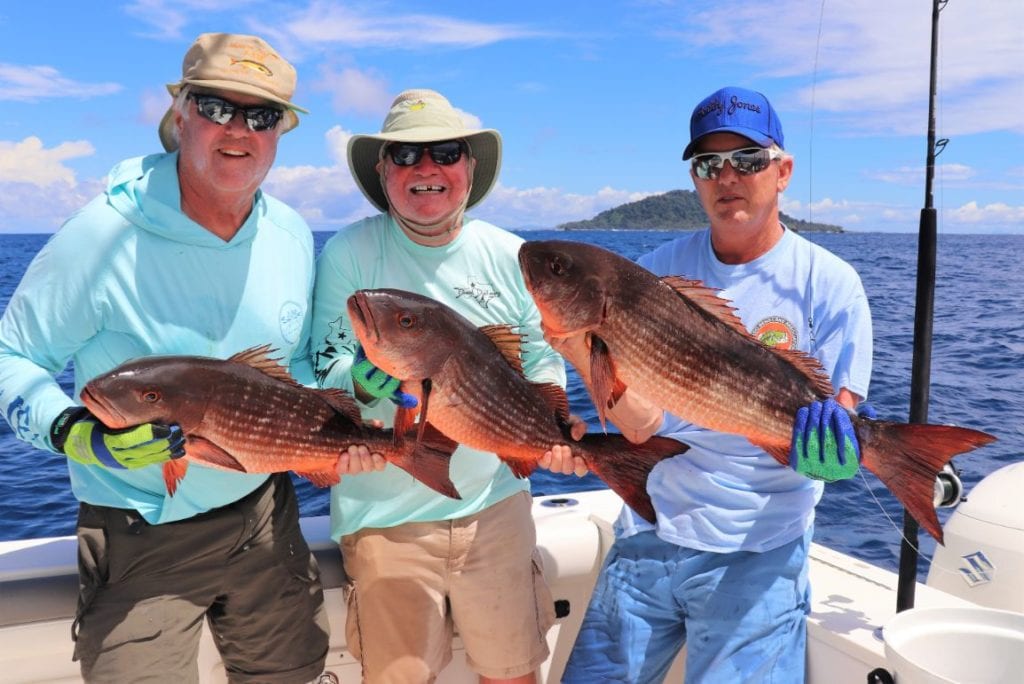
[[422, 564], [183, 254]]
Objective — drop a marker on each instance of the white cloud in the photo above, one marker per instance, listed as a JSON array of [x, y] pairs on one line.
[[988, 215], [330, 23], [352, 90], [872, 67], [167, 18], [23, 83], [544, 207], [29, 162]]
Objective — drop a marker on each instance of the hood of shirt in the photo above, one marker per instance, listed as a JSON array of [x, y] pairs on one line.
[[146, 192]]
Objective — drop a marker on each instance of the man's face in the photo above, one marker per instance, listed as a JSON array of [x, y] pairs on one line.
[[426, 192], [227, 158], [735, 200]]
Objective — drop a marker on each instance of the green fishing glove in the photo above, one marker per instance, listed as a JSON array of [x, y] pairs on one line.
[[377, 383], [78, 434], [824, 445]]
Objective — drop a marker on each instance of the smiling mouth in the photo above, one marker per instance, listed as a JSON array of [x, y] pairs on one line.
[[426, 189]]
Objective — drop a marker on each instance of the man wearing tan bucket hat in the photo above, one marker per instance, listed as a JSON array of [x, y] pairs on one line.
[[401, 540], [183, 254]]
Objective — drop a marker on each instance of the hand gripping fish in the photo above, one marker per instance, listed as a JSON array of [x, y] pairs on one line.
[[677, 344], [473, 390], [247, 414]]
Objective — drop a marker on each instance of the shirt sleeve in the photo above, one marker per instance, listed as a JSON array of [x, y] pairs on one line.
[[52, 314]]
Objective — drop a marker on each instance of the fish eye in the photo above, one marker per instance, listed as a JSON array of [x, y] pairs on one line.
[[151, 397], [406, 320], [559, 267]]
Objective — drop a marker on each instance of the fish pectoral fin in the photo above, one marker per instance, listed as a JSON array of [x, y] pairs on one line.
[[324, 478], [607, 387], [342, 402], [404, 420], [508, 342], [174, 471], [203, 450]]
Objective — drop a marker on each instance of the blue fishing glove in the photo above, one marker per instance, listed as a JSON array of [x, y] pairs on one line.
[[78, 434], [377, 383], [824, 443]]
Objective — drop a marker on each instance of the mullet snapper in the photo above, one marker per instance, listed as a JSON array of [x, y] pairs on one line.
[[247, 414], [677, 344], [473, 390]]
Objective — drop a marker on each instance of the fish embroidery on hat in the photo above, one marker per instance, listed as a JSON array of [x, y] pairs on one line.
[[776, 332], [414, 106], [255, 66]]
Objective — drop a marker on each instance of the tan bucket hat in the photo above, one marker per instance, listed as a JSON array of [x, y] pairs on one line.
[[423, 115], [236, 63]]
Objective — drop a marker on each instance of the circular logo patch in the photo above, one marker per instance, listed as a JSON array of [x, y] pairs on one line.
[[290, 320], [776, 332]]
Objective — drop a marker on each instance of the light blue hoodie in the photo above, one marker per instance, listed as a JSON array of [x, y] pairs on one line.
[[130, 275]]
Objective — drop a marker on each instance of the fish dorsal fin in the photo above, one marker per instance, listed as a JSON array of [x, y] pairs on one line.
[[508, 342], [341, 401], [704, 297], [260, 358], [809, 366], [555, 397]]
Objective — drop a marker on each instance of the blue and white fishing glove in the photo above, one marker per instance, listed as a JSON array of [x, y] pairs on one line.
[[824, 445], [78, 434], [377, 383]]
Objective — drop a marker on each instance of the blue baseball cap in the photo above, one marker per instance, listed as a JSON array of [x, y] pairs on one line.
[[735, 110]]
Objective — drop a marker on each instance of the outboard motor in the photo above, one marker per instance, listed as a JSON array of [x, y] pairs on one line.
[[983, 559]]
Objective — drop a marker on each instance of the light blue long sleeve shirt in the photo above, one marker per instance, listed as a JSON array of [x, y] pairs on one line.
[[130, 275]]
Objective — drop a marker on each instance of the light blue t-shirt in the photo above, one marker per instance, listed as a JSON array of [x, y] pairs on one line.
[[477, 275], [130, 275], [725, 494]]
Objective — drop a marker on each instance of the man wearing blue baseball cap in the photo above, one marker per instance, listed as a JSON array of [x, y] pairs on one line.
[[725, 566]]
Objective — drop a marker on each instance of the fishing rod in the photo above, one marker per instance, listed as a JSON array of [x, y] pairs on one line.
[[948, 487]]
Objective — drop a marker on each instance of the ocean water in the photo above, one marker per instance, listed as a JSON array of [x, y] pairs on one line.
[[977, 373]]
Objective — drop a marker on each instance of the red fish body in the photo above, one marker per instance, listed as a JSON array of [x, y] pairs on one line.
[[247, 414], [476, 393], [677, 344]]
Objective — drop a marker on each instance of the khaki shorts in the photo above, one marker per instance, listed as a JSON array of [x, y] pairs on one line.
[[410, 585], [245, 567]]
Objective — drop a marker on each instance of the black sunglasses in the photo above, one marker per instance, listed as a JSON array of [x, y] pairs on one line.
[[220, 111], [443, 153]]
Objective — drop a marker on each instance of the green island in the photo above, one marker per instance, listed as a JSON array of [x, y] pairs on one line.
[[673, 210]]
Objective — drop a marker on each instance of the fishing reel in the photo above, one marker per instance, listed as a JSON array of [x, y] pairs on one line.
[[949, 489]]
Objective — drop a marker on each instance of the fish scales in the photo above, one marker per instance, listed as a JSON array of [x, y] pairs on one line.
[[677, 344], [474, 391], [247, 414]]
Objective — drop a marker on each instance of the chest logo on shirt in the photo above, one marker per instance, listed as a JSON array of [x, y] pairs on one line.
[[290, 319], [478, 289], [776, 332]]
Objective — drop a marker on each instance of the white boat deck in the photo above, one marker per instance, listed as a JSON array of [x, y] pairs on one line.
[[852, 600]]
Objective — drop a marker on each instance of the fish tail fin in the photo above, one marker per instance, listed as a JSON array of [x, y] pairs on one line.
[[428, 461], [907, 458], [174, 471], [624, 466]]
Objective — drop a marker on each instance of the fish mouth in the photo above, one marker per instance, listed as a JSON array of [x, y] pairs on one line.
[[103, 410], [361, 315]]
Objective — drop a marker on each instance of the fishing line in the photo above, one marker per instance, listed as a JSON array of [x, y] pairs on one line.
[[810, 141]]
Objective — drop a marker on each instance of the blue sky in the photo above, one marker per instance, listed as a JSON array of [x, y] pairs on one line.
[[592, 98]]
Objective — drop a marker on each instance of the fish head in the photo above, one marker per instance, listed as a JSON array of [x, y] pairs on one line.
[[405, 334], [157, 389], [569, 282]]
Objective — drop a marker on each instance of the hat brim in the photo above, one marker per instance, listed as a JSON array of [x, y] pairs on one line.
[[364, 153], [755, 137], [166, 129]]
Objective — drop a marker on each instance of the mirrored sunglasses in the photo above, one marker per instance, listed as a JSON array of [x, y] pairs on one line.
[[220, 111], [443, 153], [747, 161]]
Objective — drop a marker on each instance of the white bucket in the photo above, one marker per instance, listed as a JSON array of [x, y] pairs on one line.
[[973, 645]]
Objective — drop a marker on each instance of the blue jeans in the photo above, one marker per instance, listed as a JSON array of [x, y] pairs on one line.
[[743, 615]]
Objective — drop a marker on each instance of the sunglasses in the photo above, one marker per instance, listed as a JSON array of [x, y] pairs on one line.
[[748, 161], [220, 111], [443, 153]]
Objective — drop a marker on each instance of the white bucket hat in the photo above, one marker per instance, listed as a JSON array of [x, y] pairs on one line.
[[235, 63], [421, 116]]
